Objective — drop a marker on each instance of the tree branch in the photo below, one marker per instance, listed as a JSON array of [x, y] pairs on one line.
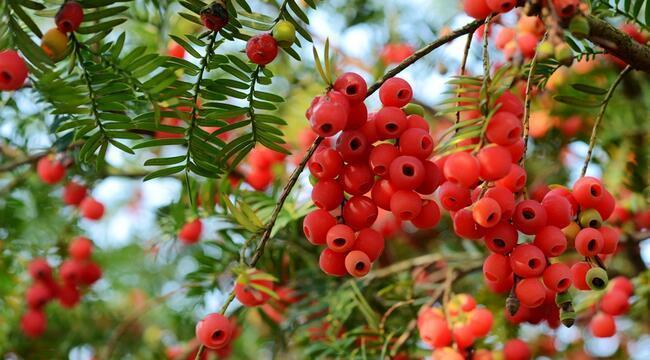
[[619, 44]]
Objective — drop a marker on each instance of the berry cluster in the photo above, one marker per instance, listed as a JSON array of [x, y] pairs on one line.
[[75, 274], [615, 302], [383, 155], [463, 325], [68, 19], [260, 172]]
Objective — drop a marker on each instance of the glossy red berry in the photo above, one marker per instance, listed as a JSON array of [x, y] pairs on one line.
[[330, 114], [316, 225], [504, 129], [588, 192], [579, 275], [80, 248], [381, 156], [69, 17], [529, 216], [602, 325], [261, 49], [39, 269], [33, 323], [515, 349], [527, 260], [340, 238], [508, 101], [248, 292], [90, 273], [515, 180], [406, 172], [435, 332], [369, 129], [453, 197], [70, 271], [332, 263], [416, 142], [623, 284], [327, 194], [405, 204], [382, 192], [37, 295], [74, 193], [91, 209], [486, 212], [462, 168], [500, 238], [50, 170], [370, 242], [551, 241], [465, 226], [69, 296], [415, 121], [463, 336], [566, 8], [326, 164], [359, 212], [215, 15], [558, 210], [496, 267], [214, 331], [357, 117], [395, 92], [428, 217], [478, 9], [480, 321], [390, 122], [191, 231], [516, 150], [352, 85], [353, 146], [589, 242], [494, 161], [357, 179], [357, 263], [606, 207], [615, 303], [432, 178], [259, 179], [504, 197], [557, 277], [13, 71], [531, 292]]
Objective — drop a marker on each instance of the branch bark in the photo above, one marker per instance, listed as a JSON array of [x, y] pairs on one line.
[[619, 44]]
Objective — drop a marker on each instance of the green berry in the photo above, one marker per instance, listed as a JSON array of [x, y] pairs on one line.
[[413, 109], [579, 27], [597, 278], [284, 33]]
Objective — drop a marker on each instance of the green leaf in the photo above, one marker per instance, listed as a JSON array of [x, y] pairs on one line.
[[298, 11], [121, 146], [164, 172], [103, 13], [108, 25], [589, 89], [319, 66], [186, 46], [570, 100], [160, 142], [165, 161], [268, 96]]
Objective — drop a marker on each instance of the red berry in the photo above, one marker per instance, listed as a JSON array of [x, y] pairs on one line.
[[501, 238], [359, 212], [463, 336], [382, 192], [494, 161], [496, 268], [551, 241], [501, 287], [390, 122], [565, 193], [80, 248], [357, 263], [191, 231], [428, 217], [90, 273], [602, 325], [332, 263], [480, 321], [465, 226], [259, 179], [74, 193], [69, 17], [13, 71], [504, 197], [435, 332], [248, 292], [326, 164], [406, 172], [340, 238], [327, 194], [527, 44], [214, 331], [395, 92], [588, 192], [316, 225], [501, 6], [504, 129], [566, 8], [369, 129], [453, 197], [531, 292], [606, 207], [486, 212], [527, 261], [70, 271], [417, 122], [623, 284], [432, 178], [381, 156], [558, 210], [516, 150], [357, 179], [33, 323], [579, 275], [261, 49], [515, 180], [515, 349], [615, 303], [405, 204], [589, 242], [353, 146], [357, 117], [370, 242], [557, 277], [462, 168], [503, 37], [478, 9], [39, 269], [215, 15], [416, 142], [91, 209], [38, 295], [69, 296], [352, 85], [50, 170], [529, 217], [330, 114], [509, 102]]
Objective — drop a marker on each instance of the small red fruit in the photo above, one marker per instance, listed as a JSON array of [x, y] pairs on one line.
[[69, 17], [80, 248], [395, 92], [248, 291], [214, 331], [340, 238], [91, 209], [261, 49], [50, 170], [13, 70], [74, 193], [316, 225], [191, 232], [602, 325], [33, 323], [370, 242], [352, 85], [357, 263], [515, 349], [215, 15], [332, 263]]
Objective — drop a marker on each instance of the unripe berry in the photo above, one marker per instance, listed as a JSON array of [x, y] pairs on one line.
[[494, 161], [332, 263], [501, 238], [557, 277], [564, 54], [529, 217], [327, 194], [370, 242], [214, 331], [579, 275], [515, 349], [406, 172], [55, 44], [13, 70], [515, 180], [527, 260], [191, 231], [416, 142], [414, 109], [284, 32], [602, 325], [465, 226], [80, 248], [504, 129], [381, 156], [478, 9], [579, 27], [359, 212], [428, 217], [261, 49], [405, 204], [357, 179], [340, 238], [91, 209], [316, 225], [390, 122], [395, 92], [504, 197], [551, 241], [530, 292], [590, 218], [501, 6], [357, 263], [486, 212], [247, 289], [326, 164], [589, 242], [496, 267], [558, 210], [33, 323], [74, 193], [353, 86], [50, 170], [615, 303], [432, 178], [215, 15], [597, 278], [69, 17]]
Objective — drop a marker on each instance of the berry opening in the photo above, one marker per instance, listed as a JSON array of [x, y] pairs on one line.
[[534, 263], [491, 218], [557, 249], [594, 223], [528, 214], [5, 77], [391, 127], [339, 242], [66, 26], [500, 243], [379, 169], [359, 266], [563, 283], [591, 244], [351, 90], [595, 190], [326, 128], [355, 144], [425, 143], [598, 283], [316, 168], [408, 170], [218, 335], [403, 94]]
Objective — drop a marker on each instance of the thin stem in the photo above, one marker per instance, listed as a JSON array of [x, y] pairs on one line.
[[599, 118], [86, 77], [251, 94], [463, 64]]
